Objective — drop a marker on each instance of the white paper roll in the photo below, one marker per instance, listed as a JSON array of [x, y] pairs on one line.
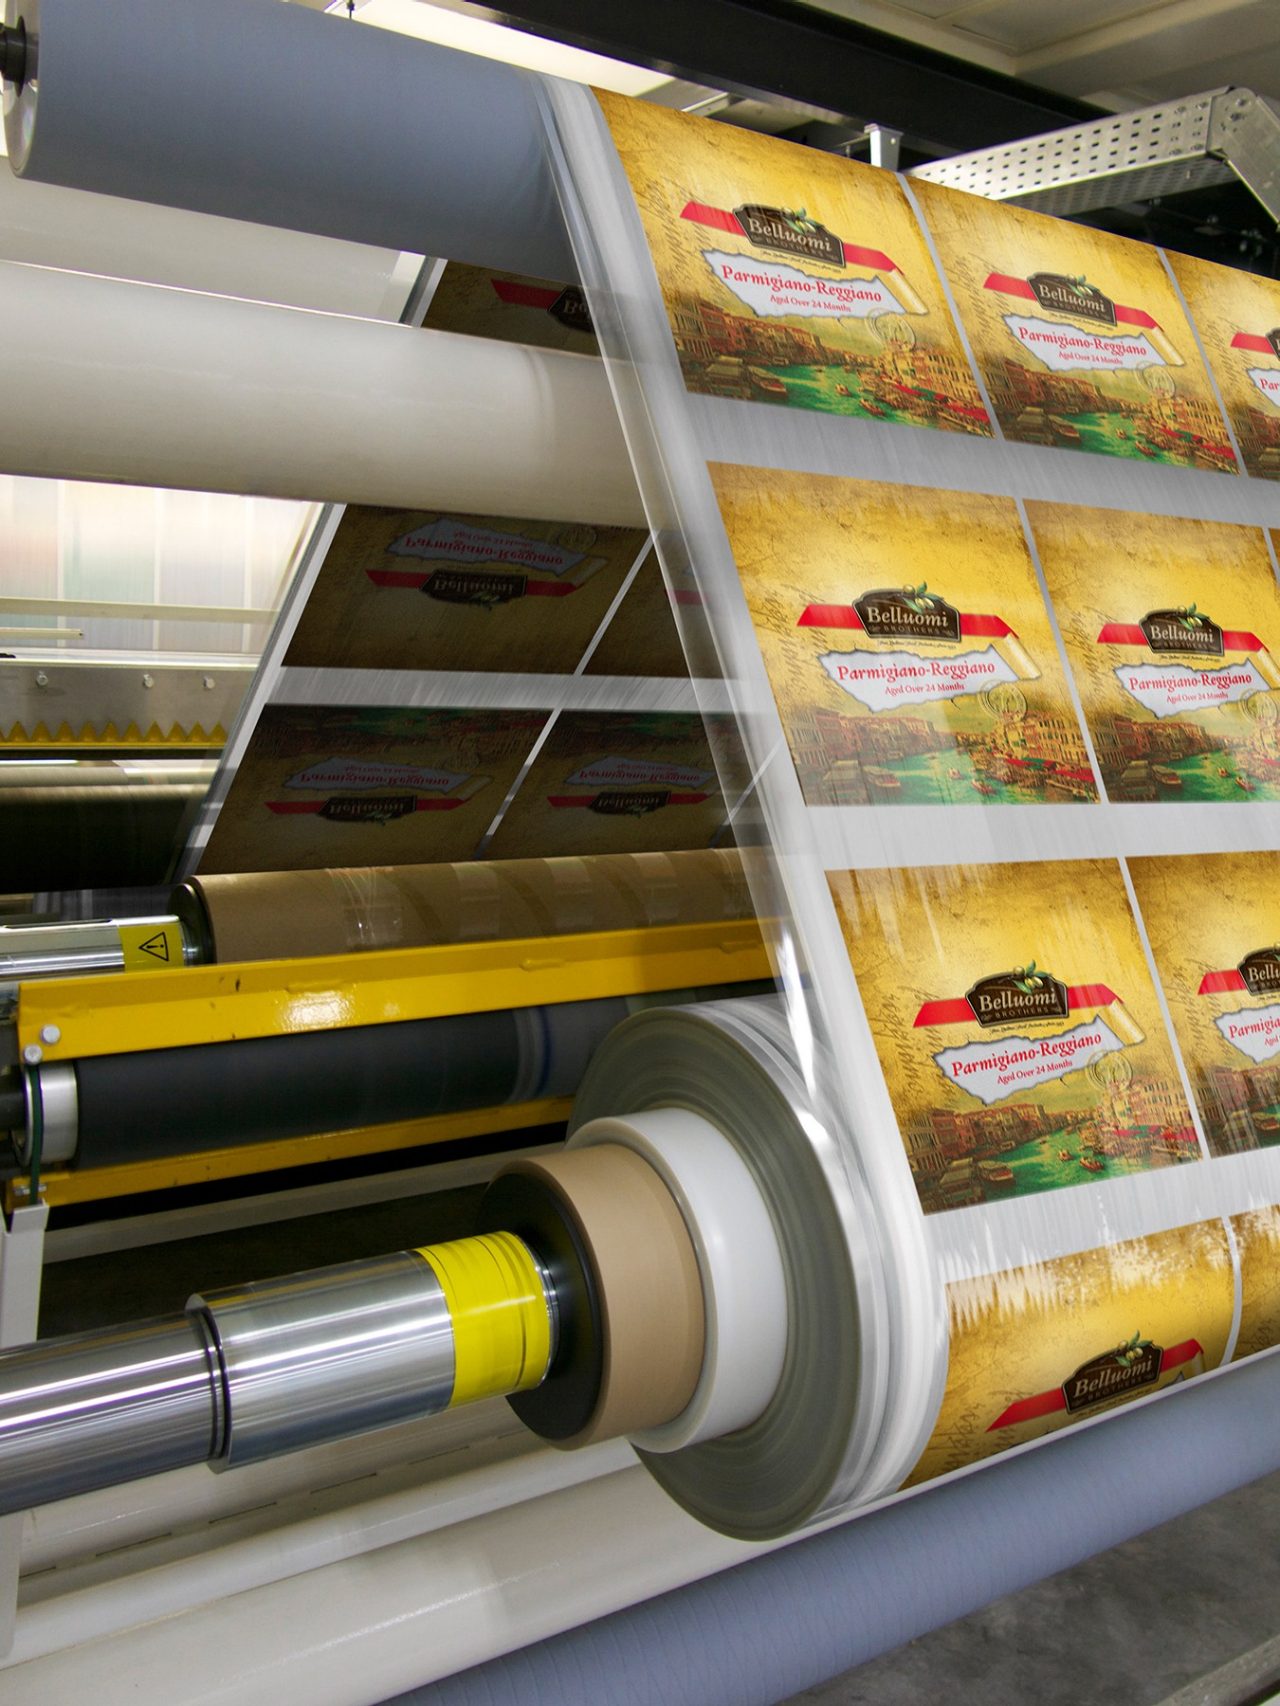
[[144, 385], [744, 1288], [51, 227]]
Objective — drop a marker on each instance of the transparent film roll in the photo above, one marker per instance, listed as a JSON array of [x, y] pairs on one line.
[[975, 681]]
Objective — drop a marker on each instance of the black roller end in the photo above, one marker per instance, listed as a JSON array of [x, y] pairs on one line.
[[527, 1205], [17, 54]]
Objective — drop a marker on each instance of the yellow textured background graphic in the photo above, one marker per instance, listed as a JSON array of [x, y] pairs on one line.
[[1025, 1331], [1258, 1239], [801, 539], [1106, 565], [1224, 301], [976, 238], [927, 935], [672, 159]]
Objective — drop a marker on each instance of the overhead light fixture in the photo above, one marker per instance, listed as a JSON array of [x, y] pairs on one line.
[[489, 40]]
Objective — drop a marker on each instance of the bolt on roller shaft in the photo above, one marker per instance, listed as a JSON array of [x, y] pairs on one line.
[[268, 1368]]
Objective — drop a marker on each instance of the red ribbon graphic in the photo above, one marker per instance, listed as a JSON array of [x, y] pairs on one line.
[[590, 799], [845, 616], [1130, 634], [720, 219], [959, 1012], [411, 578], [1222, 983], [291, 808], [1009, 286], [1251, 340], [524, 295], [1049, 1403]]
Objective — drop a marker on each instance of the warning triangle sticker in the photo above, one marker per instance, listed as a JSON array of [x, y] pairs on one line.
[[157, 946]]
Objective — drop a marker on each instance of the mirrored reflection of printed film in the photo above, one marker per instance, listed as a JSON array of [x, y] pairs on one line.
[[367, 785], [431, 590], [607, 783]]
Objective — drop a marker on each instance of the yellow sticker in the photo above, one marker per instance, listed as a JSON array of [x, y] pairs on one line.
[[151, 945]]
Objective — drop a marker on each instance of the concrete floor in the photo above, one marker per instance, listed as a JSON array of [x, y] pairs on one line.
[[1185, 1615]]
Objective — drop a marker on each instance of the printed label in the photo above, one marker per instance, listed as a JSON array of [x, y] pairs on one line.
[[1236, 315], [1167, 690], [637, 770], [1037, 1347], [1166, 623], [888, 679], [356, 785], [993, 1071], [1041, 1076], [793, 278], [1208, 921], [448, 537], [1255, 1031], [789, 231], [770, 288], [1075, 296], [896, 681], [1063, 349], [463, 586], [1079, 334]]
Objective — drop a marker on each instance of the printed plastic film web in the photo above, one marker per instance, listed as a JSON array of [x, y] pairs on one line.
[[973, 508]]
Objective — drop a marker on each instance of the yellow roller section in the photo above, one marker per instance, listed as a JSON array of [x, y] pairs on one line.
[[498, 1308]]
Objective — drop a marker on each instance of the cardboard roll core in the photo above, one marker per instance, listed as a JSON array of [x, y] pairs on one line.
[[632, 1319]]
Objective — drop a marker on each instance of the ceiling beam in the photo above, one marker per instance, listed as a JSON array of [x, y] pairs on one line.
[[811, 59]]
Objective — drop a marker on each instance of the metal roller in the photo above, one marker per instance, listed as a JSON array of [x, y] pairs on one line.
[[441, 420], [263, 113], [592, 1307]]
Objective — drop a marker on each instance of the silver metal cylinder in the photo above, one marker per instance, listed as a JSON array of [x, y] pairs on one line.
[[317, 1356], [68, 950], [52, 1097], [91, 1411]]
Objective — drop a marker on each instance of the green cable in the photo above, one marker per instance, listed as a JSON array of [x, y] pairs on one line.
[[37, 1137]]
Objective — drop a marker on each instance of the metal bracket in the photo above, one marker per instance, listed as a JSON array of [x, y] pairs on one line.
[[21, 1268], [1163, 150]]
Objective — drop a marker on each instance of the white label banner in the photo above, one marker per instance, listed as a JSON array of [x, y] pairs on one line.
[[359, 777], [772, 289], [1174, 689], [633, 772], [883, 681], [1267, 380], [996, 1070], [1064, 349], [1255, 1031]]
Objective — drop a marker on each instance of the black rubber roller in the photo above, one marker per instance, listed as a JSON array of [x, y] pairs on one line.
[[133, 1107]]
